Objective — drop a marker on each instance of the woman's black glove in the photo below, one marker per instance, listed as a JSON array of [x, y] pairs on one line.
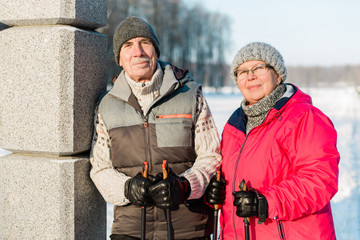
[[215, 192], [250, 203], [170, 192], [137, 191]]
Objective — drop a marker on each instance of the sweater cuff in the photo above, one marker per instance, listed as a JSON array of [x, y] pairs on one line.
[[185, 184]]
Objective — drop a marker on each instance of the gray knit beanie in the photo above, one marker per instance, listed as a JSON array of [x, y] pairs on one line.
[[132, 27], [263, 52]]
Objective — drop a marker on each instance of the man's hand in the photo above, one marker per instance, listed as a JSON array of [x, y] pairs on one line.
[[170, 192], [137, 191]]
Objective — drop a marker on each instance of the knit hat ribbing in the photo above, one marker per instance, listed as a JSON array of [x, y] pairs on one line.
[[263, 52], [132, 27]]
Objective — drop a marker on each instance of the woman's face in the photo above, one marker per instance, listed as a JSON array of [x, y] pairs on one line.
[[255, 87]]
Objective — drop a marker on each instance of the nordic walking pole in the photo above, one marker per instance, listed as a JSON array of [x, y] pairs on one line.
[[143, 208], [243, 187], [167, 211], [216, 209]]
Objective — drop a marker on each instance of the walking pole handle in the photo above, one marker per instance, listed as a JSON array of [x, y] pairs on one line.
[[143, 209], [243, 187], [218, 174], [165, 170], [145, 169], [216, 210]]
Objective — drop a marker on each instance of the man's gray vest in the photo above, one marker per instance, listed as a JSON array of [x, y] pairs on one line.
[[165, 132]]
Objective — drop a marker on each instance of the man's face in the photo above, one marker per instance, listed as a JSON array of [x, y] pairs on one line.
[[138, 58]]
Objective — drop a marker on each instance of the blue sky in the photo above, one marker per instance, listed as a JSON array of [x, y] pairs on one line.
[[316, 32]]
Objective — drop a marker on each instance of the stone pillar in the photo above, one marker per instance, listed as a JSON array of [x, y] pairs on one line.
[[52, 71]]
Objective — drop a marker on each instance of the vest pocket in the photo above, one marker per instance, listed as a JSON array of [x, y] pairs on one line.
[[174, 132]]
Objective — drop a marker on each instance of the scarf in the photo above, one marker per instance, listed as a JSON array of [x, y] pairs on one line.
[[257, 112]]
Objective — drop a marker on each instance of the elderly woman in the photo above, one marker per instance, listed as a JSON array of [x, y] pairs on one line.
[[285, 150]]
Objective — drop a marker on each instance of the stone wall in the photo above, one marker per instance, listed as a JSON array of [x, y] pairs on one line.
[[52, 71]]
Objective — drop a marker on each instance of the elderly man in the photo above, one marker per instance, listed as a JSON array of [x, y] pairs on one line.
[[154, 112]]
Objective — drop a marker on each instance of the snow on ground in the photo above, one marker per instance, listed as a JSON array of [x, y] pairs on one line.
[[342, 105]]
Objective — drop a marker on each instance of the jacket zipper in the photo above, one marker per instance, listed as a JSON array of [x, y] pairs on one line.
[[146, 126], [277, 116], [234, 185], [173, 116], [147, 139], [281, 230]]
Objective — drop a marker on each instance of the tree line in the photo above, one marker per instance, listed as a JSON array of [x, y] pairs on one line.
[[316, 76], [190, 37], [195, 39]]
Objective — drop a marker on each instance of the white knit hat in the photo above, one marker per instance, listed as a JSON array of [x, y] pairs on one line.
[[263, 52]]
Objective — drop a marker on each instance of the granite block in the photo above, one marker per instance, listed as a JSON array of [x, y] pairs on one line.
[[51, 78], [79, 13], [49, 198]]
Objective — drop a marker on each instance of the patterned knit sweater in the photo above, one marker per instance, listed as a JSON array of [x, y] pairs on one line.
[[110, 182]]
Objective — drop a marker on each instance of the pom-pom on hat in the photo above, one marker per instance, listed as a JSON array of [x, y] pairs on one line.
[[263, 52], [132, 27]]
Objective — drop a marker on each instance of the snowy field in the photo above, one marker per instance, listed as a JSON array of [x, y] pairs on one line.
[[342, 105]]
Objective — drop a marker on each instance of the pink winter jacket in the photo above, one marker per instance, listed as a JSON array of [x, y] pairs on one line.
[[292, 159]]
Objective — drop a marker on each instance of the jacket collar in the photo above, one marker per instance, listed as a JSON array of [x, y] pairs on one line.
[[238, 119], [173, 79], [290, 91]]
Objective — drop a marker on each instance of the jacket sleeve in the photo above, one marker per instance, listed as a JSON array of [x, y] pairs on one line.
[[207, 148], [108, 181], [313, 156]]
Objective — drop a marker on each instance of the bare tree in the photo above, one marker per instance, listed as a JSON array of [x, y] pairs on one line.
[[191, 38]]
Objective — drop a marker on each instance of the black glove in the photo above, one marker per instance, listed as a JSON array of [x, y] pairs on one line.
[[170, 192], [215, 192], [250, 203], [137, 191]]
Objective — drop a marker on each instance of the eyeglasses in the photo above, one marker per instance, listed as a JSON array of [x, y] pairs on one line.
[[258, 70]]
